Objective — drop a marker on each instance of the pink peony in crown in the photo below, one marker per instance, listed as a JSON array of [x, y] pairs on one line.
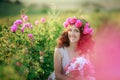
[[78, 23]]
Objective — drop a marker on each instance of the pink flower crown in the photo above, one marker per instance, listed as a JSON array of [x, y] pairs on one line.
[[78, 23]]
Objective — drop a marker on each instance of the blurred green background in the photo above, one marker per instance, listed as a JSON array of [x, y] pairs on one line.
[[17, 48], [103, 8]]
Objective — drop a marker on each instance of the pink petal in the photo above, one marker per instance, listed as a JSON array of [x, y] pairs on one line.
[[43, 20], [73, 20], [65, 24], [78, 24]]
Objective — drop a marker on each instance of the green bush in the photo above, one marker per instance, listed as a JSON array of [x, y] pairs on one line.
[[31, 58]]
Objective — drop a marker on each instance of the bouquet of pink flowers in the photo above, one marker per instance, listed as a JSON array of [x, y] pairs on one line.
[[80, 69]]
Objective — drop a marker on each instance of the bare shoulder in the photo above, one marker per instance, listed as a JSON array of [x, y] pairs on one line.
[[56, 50], [57, 53], [57, 60]]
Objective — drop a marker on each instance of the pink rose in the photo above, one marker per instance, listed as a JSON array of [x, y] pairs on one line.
[[66, 68], [24, 17], [91, 31], [22, 29], [65, 24], [37, 22], [73, 20], [30, 26], [14, 28], [77, 65], [68, 20], [87, 30], [18, 22], [30, 36], [73, 60], [27, 25], [78, 24], [43, 20]]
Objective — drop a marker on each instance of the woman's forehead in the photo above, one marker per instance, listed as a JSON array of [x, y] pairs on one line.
[[73, 27]]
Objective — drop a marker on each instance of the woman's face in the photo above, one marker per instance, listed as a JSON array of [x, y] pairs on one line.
[[73, 34]]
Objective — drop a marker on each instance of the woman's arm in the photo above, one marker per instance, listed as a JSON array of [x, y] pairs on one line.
[[58, 66]]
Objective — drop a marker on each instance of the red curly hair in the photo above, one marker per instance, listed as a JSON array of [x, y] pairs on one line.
[[85, 43]]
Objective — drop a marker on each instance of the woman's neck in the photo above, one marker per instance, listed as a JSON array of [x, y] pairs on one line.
[[73, 46]]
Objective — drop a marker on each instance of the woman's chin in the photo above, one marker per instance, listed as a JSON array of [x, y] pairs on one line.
[[73, 41]]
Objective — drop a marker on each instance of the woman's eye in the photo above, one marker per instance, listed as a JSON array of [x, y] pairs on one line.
[[76, 31]]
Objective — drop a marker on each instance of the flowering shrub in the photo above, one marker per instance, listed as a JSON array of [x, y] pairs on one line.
[[29, 47], [29, 62]]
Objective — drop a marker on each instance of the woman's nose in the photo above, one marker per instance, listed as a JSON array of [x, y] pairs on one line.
[[72, 32]]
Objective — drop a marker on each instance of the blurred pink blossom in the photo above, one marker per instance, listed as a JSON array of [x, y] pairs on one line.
[[24, 17], [36, 22], [27, 25], [65, 24], [68, 20], [73, 60], [87, 30], [22, 29], [43, 20], [18, 22], [30, 36], [30, 26], [80, 67], [14, 28]]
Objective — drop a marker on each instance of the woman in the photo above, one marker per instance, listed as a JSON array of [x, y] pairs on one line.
[[71, 56]]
